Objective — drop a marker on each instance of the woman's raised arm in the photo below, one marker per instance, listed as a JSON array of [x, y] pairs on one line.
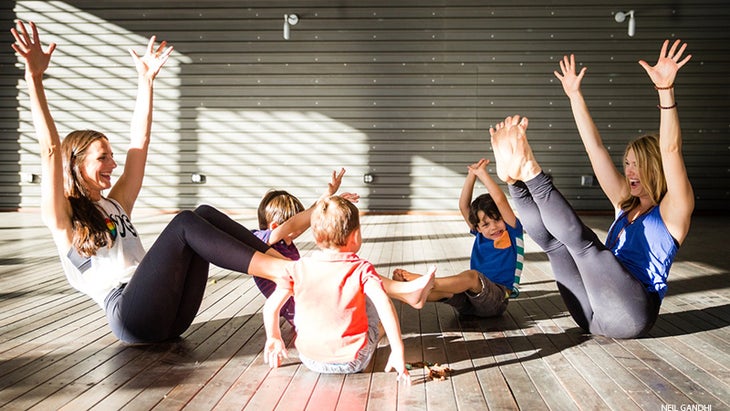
[[678, 203], [55, 208], [611, 180], [127, 188]]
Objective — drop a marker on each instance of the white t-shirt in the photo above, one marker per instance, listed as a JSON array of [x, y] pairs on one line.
[[110, 267]]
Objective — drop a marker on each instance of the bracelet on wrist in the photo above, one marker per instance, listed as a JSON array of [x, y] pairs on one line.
[[669, 87], [667, 107]]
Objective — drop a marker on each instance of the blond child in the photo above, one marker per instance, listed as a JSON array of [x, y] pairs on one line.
[[282, 219], [341, 303]]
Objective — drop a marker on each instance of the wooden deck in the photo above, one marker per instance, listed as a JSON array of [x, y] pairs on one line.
[[57, 352]]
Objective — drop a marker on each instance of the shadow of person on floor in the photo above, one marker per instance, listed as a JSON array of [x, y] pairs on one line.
[[691, 321]]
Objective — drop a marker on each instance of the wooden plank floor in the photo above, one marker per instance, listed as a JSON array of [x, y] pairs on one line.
[[56, 350]]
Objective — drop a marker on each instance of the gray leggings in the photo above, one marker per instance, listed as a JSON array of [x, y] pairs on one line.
[[601, 295], [164, 294]]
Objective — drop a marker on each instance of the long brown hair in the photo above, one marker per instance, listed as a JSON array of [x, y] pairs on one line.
[[649, 161], [90, 231]]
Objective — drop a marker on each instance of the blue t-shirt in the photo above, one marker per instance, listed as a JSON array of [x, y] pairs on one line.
[[645, 247], [497, 264]]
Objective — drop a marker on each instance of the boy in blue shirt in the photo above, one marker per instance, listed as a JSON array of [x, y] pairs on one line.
[[496, 257]]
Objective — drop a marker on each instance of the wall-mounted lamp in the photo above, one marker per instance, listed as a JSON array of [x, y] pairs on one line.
[[621, 17], [368, 178], [198, 178], [30, 178], [289, 20]]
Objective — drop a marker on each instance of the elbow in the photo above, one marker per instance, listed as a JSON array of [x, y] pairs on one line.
[[672, 148]]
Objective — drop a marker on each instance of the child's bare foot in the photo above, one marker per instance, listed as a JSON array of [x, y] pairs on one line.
[[400, 274], [413, 289]]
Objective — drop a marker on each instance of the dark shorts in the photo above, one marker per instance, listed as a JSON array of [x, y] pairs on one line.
[[491, 302]]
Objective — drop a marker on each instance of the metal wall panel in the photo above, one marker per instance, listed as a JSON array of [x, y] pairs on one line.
[[402, 90]]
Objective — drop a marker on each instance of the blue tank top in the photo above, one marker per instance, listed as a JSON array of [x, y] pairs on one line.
[[645, 247]]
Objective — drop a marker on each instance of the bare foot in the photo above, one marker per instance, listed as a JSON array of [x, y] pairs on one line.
[[503, 149], [510, 141], [400, 274], [413, 291]]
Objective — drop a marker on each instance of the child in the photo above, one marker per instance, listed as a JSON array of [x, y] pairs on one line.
[[340, 301], [282, 219], [496, 257]]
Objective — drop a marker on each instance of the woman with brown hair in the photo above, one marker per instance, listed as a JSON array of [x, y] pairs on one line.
[[147, 296]]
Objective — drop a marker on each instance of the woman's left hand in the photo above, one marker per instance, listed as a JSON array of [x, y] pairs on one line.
[[668, 64], [150, 64]]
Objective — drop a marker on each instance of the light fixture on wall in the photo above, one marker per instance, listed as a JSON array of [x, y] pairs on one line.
[[198, 178], [289, 20], [621, 17]]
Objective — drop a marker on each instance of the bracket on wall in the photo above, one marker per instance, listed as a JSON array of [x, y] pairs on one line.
[[289, 20]]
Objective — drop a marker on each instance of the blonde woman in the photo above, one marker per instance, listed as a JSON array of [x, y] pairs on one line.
[[614, 289]]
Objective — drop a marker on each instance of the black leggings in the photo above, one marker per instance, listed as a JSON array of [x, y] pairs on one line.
[[601, 295], [164, 294]]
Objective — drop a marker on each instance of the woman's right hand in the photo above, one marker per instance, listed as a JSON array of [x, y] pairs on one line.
[[29, 47], [570, 81]]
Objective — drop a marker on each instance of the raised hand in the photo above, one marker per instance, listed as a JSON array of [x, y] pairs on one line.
[[29, 47], [567, 76], [334, 185], [668, 64], [150, 64], [351, 197], [478, 168]]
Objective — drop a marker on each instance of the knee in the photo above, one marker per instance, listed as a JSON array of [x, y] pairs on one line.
[[184, 216], [474, 278], [551, 245], [205, 210]]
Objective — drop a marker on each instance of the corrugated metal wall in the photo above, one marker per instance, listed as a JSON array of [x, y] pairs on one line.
[[402, 90]]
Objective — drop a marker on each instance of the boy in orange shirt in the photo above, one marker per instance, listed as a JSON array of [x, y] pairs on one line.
[[342, 307]]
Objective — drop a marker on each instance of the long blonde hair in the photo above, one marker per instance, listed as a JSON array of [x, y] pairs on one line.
[[649, 162], [90, 231]]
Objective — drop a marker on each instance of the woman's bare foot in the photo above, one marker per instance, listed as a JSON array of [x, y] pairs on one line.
[[510, 140], [413, 291], [503, 149]]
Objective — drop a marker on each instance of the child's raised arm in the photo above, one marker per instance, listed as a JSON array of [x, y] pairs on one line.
[[274, 348], [466, 193], [386, 312], [295, 226], [479, 169]]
